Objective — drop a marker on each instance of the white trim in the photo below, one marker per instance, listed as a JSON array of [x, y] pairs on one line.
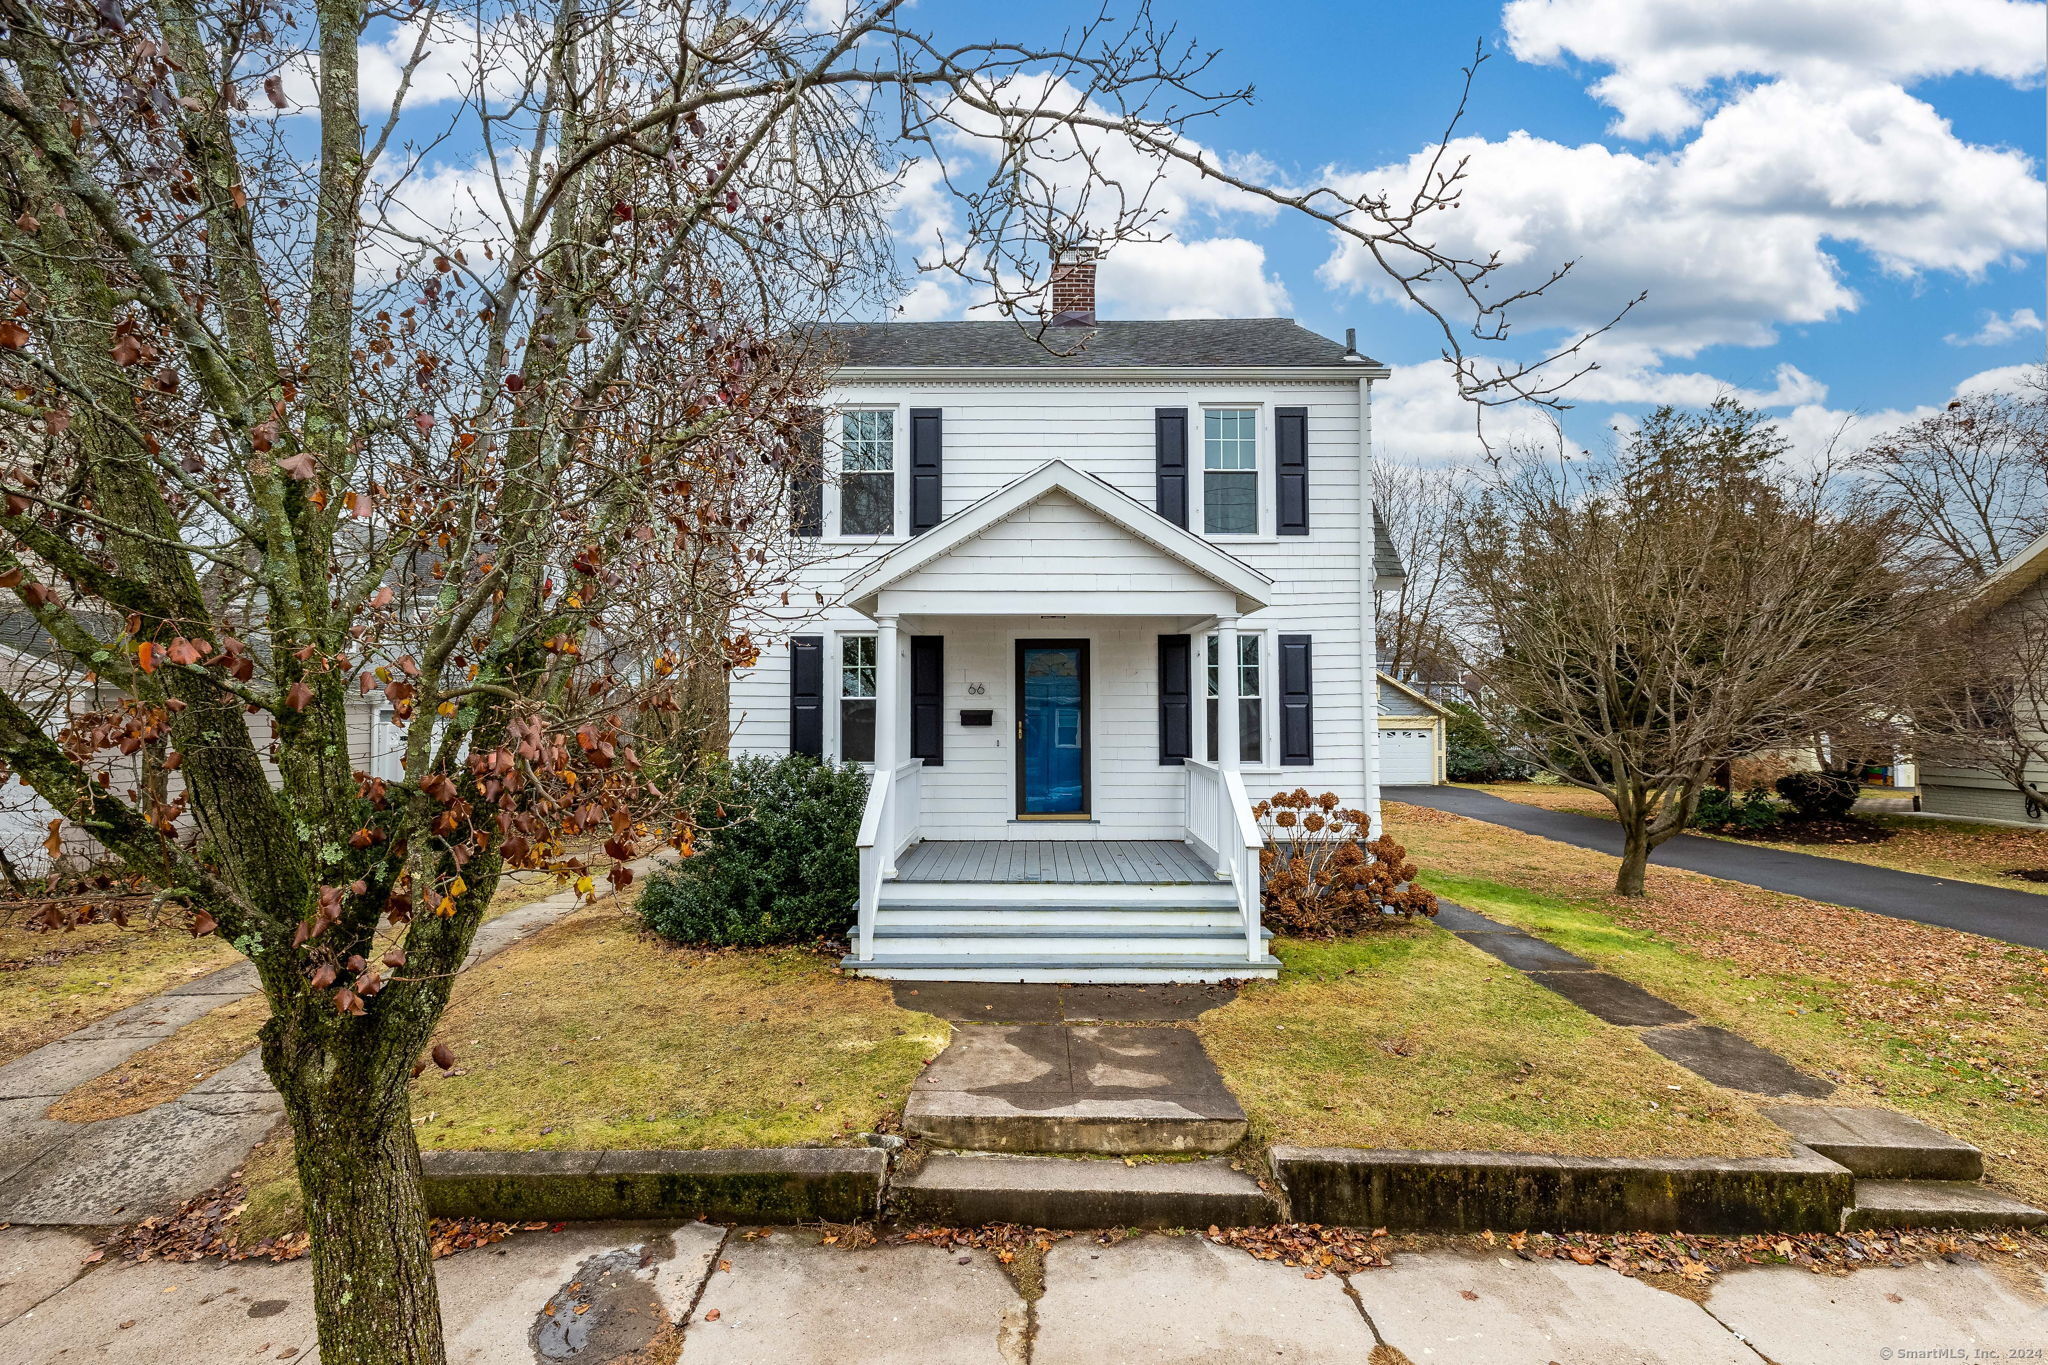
[[1251, 588], [1109, 374], [2011, 578]]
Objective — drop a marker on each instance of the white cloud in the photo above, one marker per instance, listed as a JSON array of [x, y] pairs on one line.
[[2004, 379], [1418, 418], [1640, 381], [1730, 234], [1216, 277], [1998, 330], [1669, 56]]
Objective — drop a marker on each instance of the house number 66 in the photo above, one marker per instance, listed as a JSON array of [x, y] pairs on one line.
[[977, 689]]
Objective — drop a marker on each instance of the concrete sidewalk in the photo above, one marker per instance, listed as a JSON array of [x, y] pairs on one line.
[[623, 1293], [1995, 912]]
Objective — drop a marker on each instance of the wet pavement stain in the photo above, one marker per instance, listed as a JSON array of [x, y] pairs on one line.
[[607, 1312]]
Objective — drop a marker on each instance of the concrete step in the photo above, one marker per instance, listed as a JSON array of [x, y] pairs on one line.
[[1064, 968], [1878, 1144], [1935, 1204], [1103, 1089], [1058, 895], [966, 1190]]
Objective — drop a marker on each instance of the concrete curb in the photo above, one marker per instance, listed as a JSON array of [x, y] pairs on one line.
[[1474, 1191], [748, 1185]]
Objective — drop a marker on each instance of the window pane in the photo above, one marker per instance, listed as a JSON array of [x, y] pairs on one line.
[[867, 504], [1250, 728], [1230, 438], [1230, 504], [868, 441], [856, 665], [857, 730], [1248, 666]]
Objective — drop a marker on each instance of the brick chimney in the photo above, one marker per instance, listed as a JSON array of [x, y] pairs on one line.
[[1073, 287]]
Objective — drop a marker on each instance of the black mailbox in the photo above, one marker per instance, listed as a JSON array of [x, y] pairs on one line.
[[974, 718]]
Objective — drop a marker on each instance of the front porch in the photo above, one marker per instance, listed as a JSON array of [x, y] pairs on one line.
[[1059, 862]]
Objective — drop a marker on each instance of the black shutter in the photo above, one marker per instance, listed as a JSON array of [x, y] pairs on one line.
[[807, 478], [1170, 453], [807, 695], [928, 699], [1176, 698], [1297, 702], [927, 458], [1290, 446]]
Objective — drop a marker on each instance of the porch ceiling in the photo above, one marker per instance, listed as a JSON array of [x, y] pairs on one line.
[[1058, 542]]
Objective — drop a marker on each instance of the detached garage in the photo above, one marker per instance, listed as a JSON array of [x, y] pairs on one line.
[[1411, 736]]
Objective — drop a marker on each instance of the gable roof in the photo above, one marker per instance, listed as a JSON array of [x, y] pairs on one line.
[[2014, 576], [1251, 588], [1389, 680], [1176, 343]]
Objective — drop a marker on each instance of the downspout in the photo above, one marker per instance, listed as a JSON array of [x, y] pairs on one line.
[[1368, 611]]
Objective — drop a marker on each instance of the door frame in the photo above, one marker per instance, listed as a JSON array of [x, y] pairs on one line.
[[1087, 732]]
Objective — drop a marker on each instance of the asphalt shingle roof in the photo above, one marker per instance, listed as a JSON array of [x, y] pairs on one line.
[[1180, 342]]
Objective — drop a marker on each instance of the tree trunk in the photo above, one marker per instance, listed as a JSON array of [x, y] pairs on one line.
[[375, 1300], [1635, 855]]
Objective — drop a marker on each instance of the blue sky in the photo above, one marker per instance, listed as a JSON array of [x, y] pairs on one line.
[[1818, 194]]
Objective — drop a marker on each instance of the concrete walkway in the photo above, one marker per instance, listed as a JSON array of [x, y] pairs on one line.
[[599, 1294], [2015, 916], [120, 1170]]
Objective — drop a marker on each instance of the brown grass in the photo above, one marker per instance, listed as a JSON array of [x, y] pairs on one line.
[[53, 982], [166, 1070]]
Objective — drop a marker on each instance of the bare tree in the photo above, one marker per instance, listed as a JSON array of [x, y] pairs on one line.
[[1972, 480], [291, 417], [1420, 620], [1640, 622]]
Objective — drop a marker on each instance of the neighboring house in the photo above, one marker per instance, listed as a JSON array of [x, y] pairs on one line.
[[1095, 597], [51, 684], [2014, 602], [1412, 729]]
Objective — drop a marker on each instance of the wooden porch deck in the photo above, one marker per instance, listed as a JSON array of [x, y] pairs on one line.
[[1122, 862]]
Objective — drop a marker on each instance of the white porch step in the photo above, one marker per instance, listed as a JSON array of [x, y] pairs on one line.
[[1057, 967], [1004, 940], [1058, 896], [1065, 916]]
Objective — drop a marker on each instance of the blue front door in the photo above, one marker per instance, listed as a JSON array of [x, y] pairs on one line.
[[1052, 727]]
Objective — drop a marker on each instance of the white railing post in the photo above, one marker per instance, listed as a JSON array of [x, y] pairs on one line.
[[875, 842], [1242, 839], [1227, 741]]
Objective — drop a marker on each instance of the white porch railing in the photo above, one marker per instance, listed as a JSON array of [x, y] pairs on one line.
[[1220, 824], [889, 823]]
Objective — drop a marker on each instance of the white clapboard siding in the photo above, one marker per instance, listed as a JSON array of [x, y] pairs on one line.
[[994, 433]]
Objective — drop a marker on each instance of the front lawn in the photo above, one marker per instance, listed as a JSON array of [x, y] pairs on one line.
[[1411, 1038], [54, 981], [594, 1035], [1943, 1025], [1955, 849]]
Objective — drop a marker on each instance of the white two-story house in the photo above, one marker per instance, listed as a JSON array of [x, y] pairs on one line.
[[1095, 594]]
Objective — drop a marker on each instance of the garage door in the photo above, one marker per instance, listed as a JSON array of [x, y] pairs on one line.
[[1407, 758]]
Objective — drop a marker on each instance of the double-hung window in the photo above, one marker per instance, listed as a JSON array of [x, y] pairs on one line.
[[1251, 715], [867, 473], [1230, 471], [857, 698]]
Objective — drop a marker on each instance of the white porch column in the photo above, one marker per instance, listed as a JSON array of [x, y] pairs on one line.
[[1198, 694], [1226, 694], [887, 757], [887, 703]]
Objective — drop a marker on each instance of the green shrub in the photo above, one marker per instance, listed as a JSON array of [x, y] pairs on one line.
[[1473, 754], [775, 859], [1753, 812], [1820, 796]]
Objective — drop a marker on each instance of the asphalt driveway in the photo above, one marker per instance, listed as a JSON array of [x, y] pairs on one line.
[[2015, 916]]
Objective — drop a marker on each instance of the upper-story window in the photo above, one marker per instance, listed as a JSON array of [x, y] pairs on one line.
[[867, 473], [1230, 471]]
